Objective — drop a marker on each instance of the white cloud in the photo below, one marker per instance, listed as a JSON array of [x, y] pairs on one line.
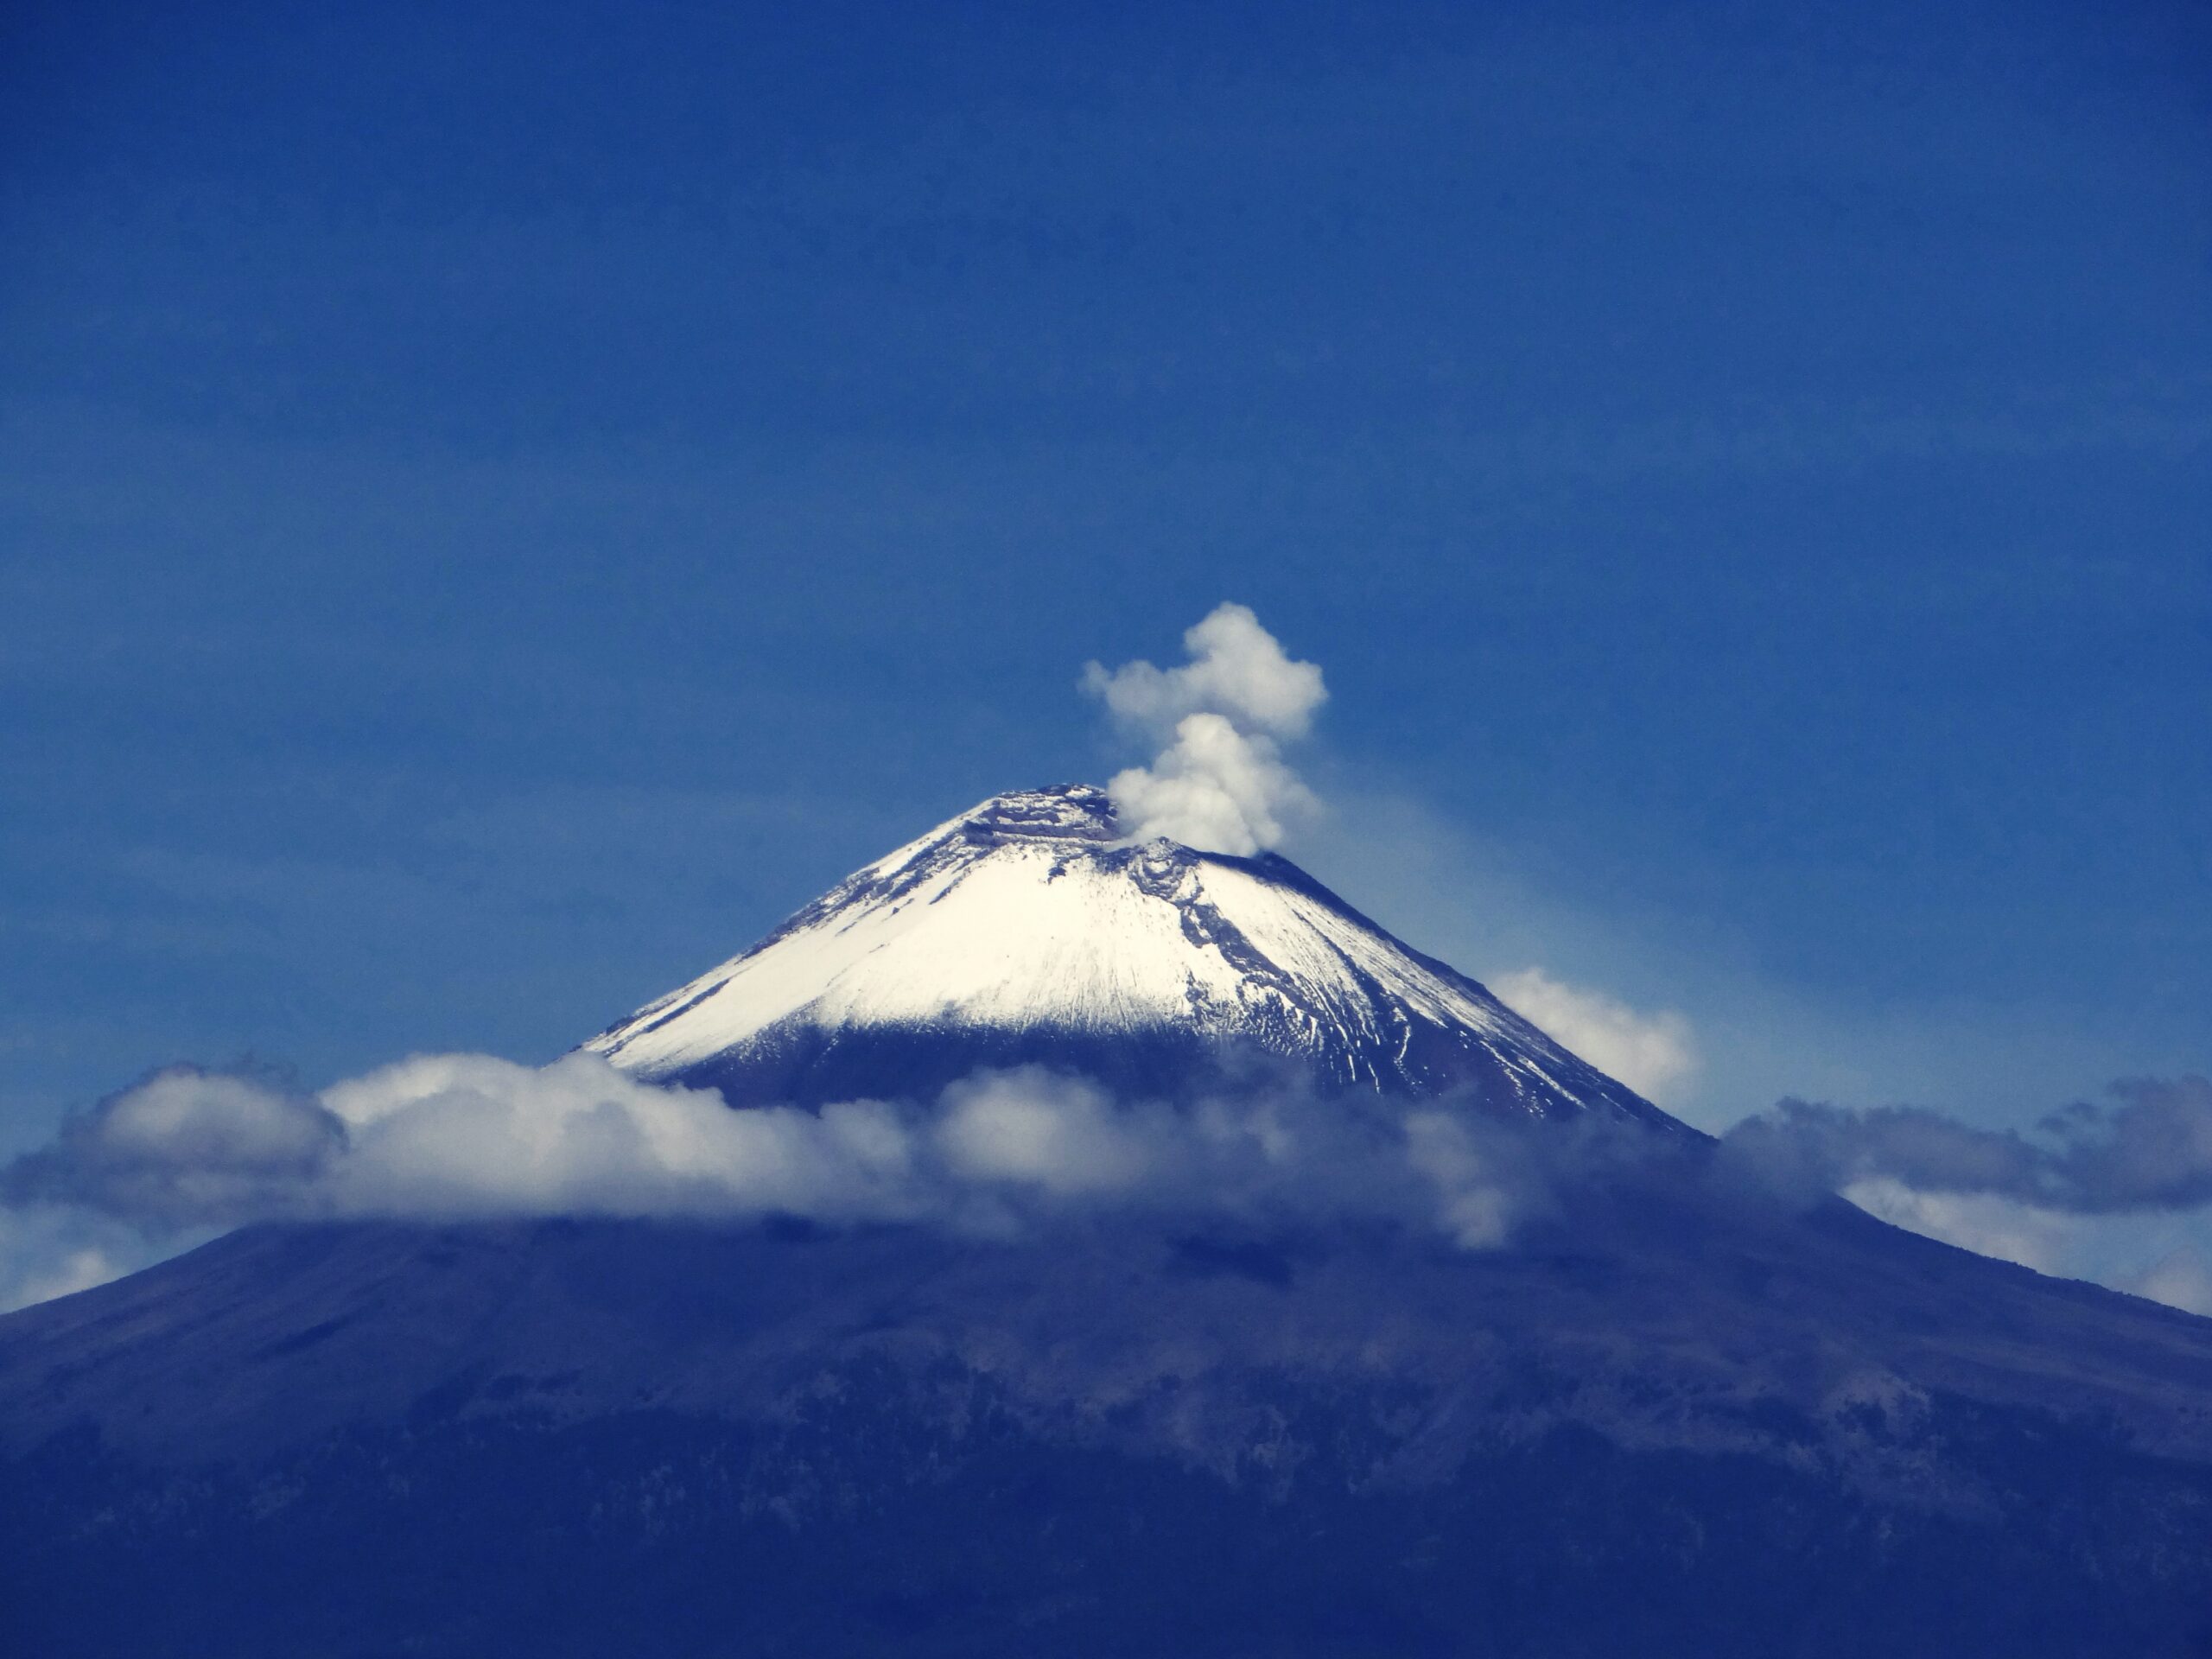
[[2066, 1244], [1060, 1134], [466, 1135], [2093, 1192], [1478, 1210], [81, 1269], [185, 1146], [1984, 1222], [1651, 1052], [1218, 780], [2147, 1150], [2180, 1280], [50, 1250]]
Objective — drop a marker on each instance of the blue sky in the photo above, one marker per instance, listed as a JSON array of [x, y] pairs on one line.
[[499, 505]]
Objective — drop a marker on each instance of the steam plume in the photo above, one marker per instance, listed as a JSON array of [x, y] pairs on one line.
[[1218, 780]]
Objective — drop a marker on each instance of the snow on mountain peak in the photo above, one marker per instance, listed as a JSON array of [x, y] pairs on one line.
[[1028, 931]]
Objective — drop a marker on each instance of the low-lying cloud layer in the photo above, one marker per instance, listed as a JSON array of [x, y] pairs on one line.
[[187, 1153], [187, 1147], [2090, 1191], [2149, 1147], [1218, 781], [461, 1136]]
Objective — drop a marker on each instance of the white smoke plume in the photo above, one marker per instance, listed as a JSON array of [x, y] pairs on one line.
[[1218, 781]]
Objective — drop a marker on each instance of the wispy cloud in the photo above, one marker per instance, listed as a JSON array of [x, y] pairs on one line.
[[1654, 1053], [50, 1250], [2147, 1148], [2179, 1279]]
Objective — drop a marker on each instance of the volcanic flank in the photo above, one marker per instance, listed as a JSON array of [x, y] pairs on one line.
[[1673, 1413], [1025, 931]]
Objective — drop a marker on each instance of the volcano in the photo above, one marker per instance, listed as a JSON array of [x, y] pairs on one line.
[[1673, 1413], [1028, 931]]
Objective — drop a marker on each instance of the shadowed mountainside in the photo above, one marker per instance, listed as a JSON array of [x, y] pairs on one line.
[[1723, 1428], [1670, 1414]]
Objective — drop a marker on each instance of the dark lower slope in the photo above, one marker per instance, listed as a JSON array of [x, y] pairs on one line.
[[806, 1065], [874, 1523], [1643, 1430]]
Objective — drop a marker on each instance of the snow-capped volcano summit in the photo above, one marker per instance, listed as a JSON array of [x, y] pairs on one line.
[[1028, 930]]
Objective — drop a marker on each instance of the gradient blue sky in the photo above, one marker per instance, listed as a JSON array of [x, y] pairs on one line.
[[499, 504]]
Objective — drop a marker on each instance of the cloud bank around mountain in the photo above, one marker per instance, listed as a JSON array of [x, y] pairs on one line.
[[468, 1135], [1218, 780], [187, 1153]]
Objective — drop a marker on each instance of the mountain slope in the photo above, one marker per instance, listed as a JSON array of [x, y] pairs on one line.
[[1670, 1414], [1657, 1424], [1025, 931]]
